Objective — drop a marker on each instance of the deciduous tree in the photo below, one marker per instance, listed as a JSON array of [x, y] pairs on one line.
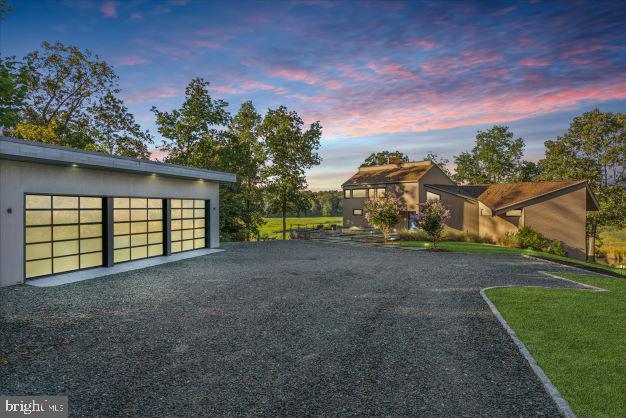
[[431, 218], [383, 212], [71, 99], [495, 158], [593, 149], [382, 158], [290, 150], [439, 161], [13, 88], [244, 155], [194, 133]]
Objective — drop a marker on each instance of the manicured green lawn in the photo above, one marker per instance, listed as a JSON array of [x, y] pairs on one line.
[[470, 247], [577, 337], [273, 226]]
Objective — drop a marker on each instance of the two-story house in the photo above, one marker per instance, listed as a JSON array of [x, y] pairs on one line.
[[556, 209]]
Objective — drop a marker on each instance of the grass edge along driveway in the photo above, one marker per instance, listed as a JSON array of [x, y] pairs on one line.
[[471, 247], [577, 337]]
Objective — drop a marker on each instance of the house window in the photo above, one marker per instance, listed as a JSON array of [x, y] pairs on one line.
[[346, 194], [513, 213], [359, 193], [357, 212], [380, 192], [432, 196]]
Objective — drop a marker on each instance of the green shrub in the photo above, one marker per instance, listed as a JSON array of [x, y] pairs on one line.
[[383, 213], [529, 238], [509, 240], [475, 237], [419, 235], [431, 218], [555, 247], [452, 235]]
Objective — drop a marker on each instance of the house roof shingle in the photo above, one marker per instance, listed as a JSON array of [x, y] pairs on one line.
[[504, 195], [390, 173]]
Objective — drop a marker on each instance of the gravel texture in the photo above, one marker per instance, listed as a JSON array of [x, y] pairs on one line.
[[278, 328]]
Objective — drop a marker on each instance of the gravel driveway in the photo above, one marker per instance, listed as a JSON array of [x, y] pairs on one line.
[[278, 328]]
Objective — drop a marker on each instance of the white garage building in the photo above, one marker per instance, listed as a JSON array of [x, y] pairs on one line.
[[64, 210]]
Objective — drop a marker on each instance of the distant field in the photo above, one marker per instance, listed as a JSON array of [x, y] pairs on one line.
[[273, 226], [614, 243], [614, 237]]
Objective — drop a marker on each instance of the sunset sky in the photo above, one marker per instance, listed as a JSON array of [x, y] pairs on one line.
[[412, 76]]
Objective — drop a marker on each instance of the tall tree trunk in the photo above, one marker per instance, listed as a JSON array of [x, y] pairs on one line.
[[247, 220], [592, 243], [284, 215]]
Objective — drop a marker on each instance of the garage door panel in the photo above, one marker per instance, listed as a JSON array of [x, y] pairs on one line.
[[60, 217], [188, 225], [72, 233], [138, 225], [39, 268], [38, 251]]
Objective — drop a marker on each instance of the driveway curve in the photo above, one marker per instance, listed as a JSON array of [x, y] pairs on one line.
[[278, 328]]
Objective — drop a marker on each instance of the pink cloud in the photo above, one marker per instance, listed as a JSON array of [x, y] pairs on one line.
[[244, 86], [534, 62], [503, 11], [295, 75], [206, 44], [449, 64], [422, 43], [165, 92], [497, 73], [353, 116], [394, 70], [130, 60], [109, 9], [350, 72], [306, 77]]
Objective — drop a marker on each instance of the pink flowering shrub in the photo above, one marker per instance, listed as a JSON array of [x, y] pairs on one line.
[[383, 213], [431, 218]]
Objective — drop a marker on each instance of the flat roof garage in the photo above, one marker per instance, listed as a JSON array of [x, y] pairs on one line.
[[63, 210]]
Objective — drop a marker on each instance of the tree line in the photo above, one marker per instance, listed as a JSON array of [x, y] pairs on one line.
[[67, 96], [592, 149]]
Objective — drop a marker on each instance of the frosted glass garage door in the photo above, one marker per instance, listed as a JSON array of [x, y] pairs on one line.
[[137, 228], [62, 233], [187, 217]]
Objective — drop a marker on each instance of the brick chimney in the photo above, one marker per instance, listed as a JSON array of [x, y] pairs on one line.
[[394, 159]]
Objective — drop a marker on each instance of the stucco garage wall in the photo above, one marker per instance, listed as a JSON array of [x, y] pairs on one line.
[[18, 178], [561, 217]]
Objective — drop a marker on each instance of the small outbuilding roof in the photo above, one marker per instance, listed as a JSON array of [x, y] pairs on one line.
[[503, 196], [38, 152], [389, 173]]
